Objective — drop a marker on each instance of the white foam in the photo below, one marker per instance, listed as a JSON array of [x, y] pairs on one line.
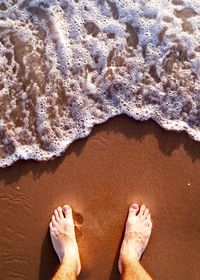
[[67, 65]]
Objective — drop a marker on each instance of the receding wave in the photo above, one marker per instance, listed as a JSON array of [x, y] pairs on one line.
[[67, 65]]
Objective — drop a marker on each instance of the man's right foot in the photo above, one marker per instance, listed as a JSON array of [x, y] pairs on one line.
[[137, 234], [63, 236]]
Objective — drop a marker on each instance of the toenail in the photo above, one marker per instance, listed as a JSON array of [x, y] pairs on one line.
[[135, 206]]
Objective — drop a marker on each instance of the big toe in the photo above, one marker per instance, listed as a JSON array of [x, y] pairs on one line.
[[133, 209], [67, 210]]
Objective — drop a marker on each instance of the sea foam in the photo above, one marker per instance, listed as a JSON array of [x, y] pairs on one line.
[[67, 65]]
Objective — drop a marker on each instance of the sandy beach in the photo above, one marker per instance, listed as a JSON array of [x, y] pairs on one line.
[[66, 66], [120, 162]]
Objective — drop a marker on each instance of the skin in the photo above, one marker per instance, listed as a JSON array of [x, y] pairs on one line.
[[64, 242], [137, 234]]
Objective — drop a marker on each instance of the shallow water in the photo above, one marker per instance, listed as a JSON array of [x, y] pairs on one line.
[[67, 65]]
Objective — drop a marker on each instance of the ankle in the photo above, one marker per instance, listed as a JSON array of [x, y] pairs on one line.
[[70, 264], [129, 266]]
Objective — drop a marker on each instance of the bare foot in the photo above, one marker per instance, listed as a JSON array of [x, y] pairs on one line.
[[137, 234], [63, 236]]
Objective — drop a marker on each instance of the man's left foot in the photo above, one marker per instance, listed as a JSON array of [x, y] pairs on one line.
[[137, 234], [63, 236]]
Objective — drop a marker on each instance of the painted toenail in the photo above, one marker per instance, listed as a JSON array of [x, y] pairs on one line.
[[135, 206]]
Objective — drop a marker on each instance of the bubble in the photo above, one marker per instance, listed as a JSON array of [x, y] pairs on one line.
[[56, 83]]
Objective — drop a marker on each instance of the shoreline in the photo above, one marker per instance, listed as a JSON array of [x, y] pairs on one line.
[[121, 161]]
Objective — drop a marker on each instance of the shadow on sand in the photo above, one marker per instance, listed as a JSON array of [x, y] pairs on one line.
[[168, 141]]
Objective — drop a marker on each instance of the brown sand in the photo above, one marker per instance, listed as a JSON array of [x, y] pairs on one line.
[[120, 162]]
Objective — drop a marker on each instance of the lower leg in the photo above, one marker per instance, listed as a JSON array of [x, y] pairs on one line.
[[64, 242], [137, 234], [66, 271], [135, 271]]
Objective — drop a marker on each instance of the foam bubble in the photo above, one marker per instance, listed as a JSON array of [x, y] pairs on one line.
[[66, 65]]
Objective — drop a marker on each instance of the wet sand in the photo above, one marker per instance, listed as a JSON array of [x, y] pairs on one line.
[[120, 162]]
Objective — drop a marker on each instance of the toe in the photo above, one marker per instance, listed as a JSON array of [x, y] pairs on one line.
[[133, 209], [148, 220], [146, 212], [53, 220], [142, 210], [56, 214], [67, 211], [60, 213], [51, 226]]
